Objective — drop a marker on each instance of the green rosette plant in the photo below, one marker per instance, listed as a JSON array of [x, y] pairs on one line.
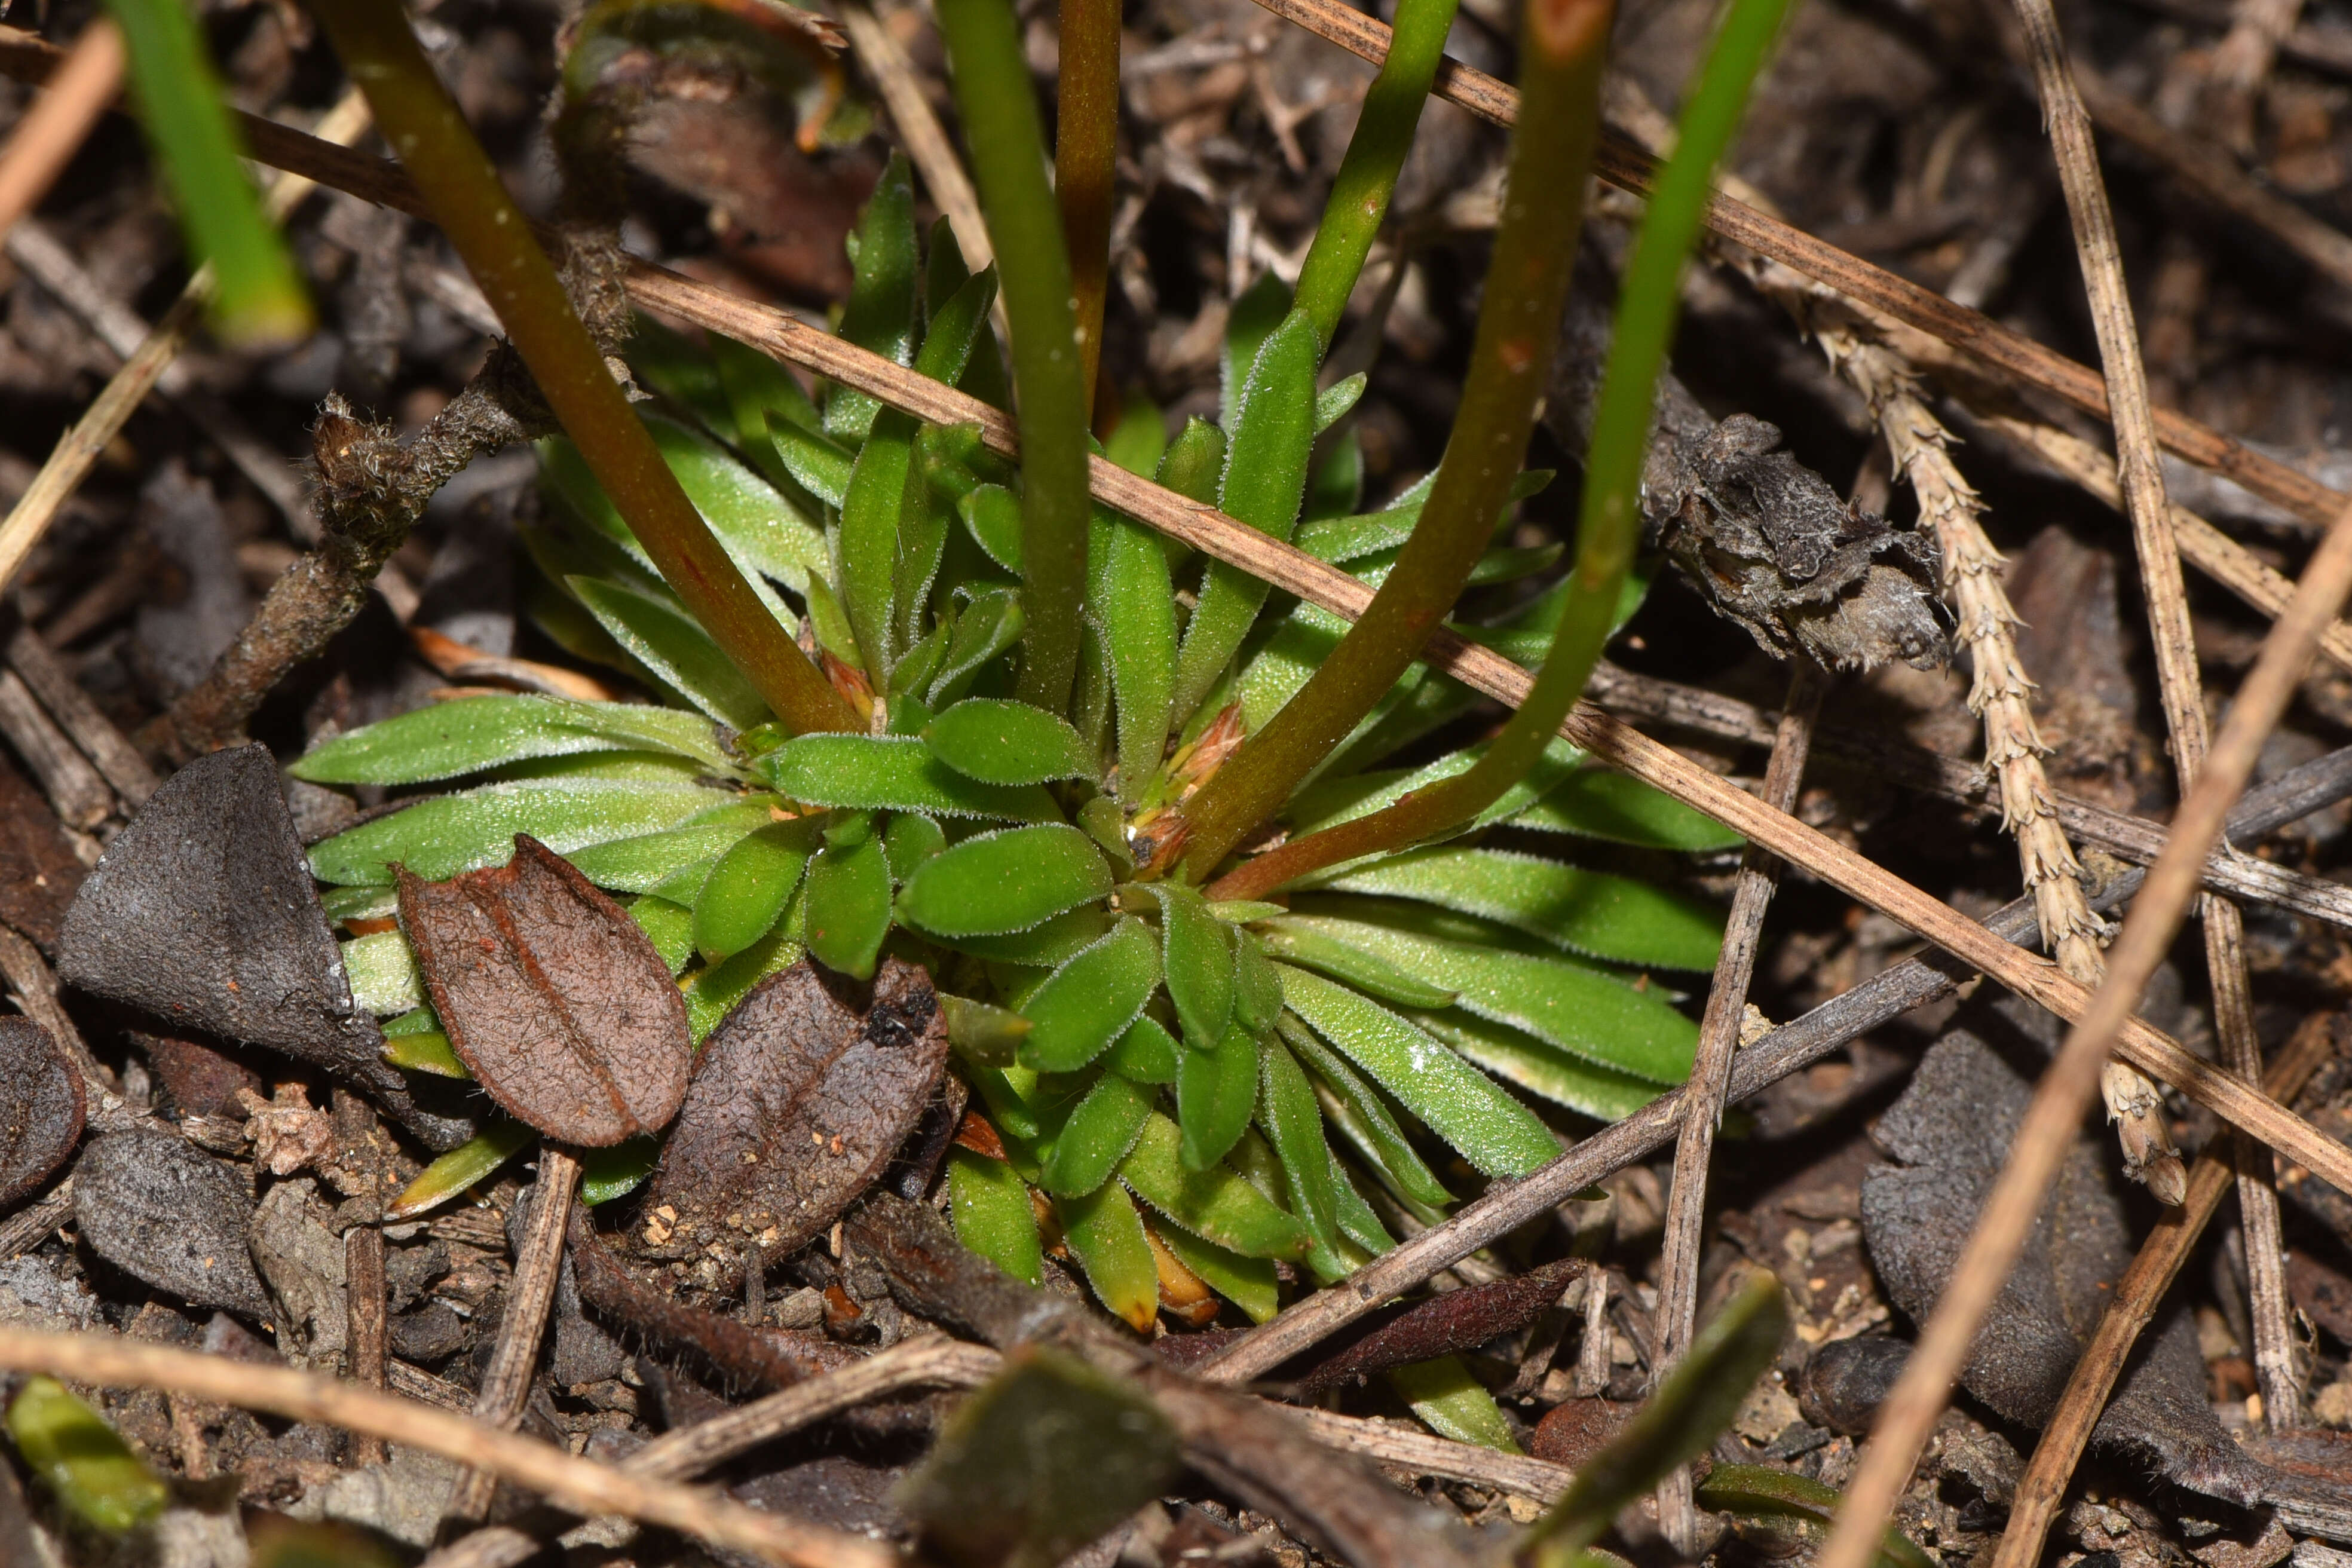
[[1196, 1065]]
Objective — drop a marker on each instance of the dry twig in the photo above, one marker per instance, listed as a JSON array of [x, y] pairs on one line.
[[108, 1361], [538, 1260], [2140, 471], [1702, 1107]]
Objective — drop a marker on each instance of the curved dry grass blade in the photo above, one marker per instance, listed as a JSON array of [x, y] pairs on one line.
[[581, 1485]]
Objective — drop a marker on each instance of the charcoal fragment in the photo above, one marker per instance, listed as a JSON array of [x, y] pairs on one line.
[[203, 912], [160, 1209]]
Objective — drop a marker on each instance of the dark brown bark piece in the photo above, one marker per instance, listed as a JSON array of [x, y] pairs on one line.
[[1457, 1320], [198, 1077], [552, 995], [39, 872], [41, 1107], [203, 912], [159, 1208], [799, 1100]]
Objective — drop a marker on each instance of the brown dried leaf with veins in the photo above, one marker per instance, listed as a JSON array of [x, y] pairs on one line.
[[552, 995], [799, 1100]]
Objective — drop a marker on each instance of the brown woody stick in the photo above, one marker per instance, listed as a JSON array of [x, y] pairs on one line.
[[2140, 471], [46, 137], [507, 1384], [1702, 1107], [2136, 1297], [584, 1486]]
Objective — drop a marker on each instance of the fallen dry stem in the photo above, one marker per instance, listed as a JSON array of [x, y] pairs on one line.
[[537, 1261], [581, 1485], [2136, 1297], [2043, 1137], [46, 137], [2139, 470], [1703, 1097]]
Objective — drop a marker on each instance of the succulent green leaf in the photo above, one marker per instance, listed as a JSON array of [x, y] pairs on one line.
[[981, 1032], [989, 1206], [426, 1050], [86, 1463], [1359, 1111], [761, 395], [1145, 1054], [1215, 1093], [1607, 917], [1562, 1003], [1009, 880], [1312, 949], [849, 899], [1134, 604], [461, 1167], [1258, 990], [763, 531], [711, 992], [1452, 1404], [1097, 1137], [1140, 439], [1558, 1076], [988, 626], [1091, 999], [1001, 741], [1260, 309], [1107, 1234], [1197, 950], [669, 926], [880, 315], [383, 972], [871, 513], [894, 773], [464, 736], [439, 837], [1266, 477], [667, 641], [646, 861], [1214, 1205], [1295, 1122], [820, 466], [955, 326], [1592, 803], [745, 894], [1457, 1102], [991, 514], [616, 1171], [1332, 404], [910, 841]]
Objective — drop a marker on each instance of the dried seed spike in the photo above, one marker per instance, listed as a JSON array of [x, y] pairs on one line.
[[552, 995]]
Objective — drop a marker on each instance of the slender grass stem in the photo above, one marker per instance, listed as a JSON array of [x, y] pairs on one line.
[[462, 189], [1608, 525], [1519, 327], [1007, 144], [1086, 163], [259, 302], [1368, 173]]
